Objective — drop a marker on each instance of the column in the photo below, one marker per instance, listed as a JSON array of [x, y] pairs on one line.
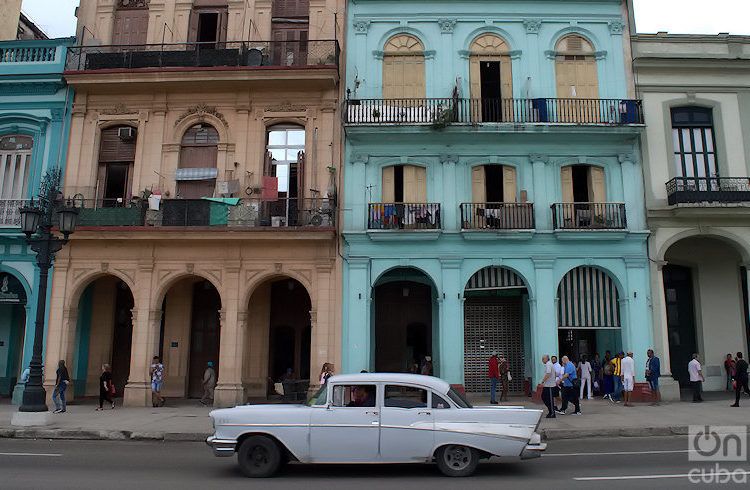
[[639, 318], [668, 386], [357, 336], [145, 342], [357, 194], [323, 321], [229, 390], [445, 63], [450, 355], [60, 321], [449, 204], [633, 192], [540, 194], [543, 318]]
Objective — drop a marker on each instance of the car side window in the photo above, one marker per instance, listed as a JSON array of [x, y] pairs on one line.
[[354, 395], [405, 397], [439, 402]]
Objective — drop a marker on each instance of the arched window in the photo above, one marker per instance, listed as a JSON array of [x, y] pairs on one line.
[[196, 175], [15, 164], [116, 160], [491, 78], [286, 149], [575, 68], [403, 68], [131, 23]]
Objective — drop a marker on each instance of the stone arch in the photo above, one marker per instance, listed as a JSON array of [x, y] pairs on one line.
[[485, 31], [267, 276], [161, 290], [419, 269], [20, 277], [740, 245], [579, 31], [621, 290], [80, 284], [403, 41], [489, 44], [512, 270], [201, 117]]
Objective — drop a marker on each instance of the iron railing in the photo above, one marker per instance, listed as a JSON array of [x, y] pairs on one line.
[[497, 216], [403, 216], [440, 112], [10, 216], [589, 216], [248, 54], [708, 189], [214, 213]]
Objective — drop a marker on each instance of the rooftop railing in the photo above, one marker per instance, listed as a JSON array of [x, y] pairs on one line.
[[245, 54], [440, 112], [708, 189]]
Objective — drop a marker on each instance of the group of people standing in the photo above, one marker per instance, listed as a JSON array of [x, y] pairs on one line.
[[498, 370], [62, 380], [737, 376]]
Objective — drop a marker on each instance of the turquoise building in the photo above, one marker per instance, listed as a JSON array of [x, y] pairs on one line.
[[493, 194], [34, 124]]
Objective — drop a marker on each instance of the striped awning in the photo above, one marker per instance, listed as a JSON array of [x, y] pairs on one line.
[[588, 298], [494, 278], [196, 173]]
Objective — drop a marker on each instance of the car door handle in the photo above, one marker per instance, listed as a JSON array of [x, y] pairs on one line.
[[374, 412], [424, 413]]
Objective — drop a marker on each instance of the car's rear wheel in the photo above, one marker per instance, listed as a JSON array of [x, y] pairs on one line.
[[455, 460], [259, 457]]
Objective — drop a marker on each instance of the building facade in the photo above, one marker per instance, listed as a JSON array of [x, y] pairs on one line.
[[204, 147], [34, 123], [696, 96], [492, 196]]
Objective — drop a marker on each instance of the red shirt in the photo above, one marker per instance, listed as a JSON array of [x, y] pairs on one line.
[[492, 370]]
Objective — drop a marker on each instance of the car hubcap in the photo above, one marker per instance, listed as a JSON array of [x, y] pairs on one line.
[[457, 457], [259, 456]]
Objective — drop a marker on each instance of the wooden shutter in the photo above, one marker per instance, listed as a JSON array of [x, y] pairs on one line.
[[566, 181], [587, 79], [114, 149], [506, 88], [223, 22], [475, 78], [193, 26], [597, 187], [300, 177], [388, 191], [290, 8], [420, 193], [565, 74], [267, 165], [403, 77], [478, 185], [509, 184], [130, 27]]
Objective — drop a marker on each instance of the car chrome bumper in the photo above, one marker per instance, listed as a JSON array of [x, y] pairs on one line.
[[221, 447], [534, 448]]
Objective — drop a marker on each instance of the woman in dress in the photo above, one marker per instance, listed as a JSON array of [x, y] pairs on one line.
[[106, 388], [326, 373]]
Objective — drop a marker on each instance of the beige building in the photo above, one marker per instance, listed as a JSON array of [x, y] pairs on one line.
[[696, 96], [204, 154]]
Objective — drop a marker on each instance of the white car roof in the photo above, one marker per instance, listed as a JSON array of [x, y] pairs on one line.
[[435, 384]]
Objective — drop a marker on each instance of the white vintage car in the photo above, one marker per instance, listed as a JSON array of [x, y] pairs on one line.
[[376, 418]]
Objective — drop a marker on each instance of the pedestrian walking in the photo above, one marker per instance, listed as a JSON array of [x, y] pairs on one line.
[[325, 373], [548, 386], [617, 377], [628, 377], [607, 377], [209, 384], [493, 372], [157, 379], [586, 370], [596, 367], [653, 372], [570, 386], [696, 378], [505, 377], [740, 379], [106, 388], [62, 380], [558, 376], [729, 364]]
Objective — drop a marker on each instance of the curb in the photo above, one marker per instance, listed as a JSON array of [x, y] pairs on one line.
[[549, 434], [101, 435]]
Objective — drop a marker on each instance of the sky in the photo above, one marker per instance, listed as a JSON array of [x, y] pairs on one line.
[[57, 19]]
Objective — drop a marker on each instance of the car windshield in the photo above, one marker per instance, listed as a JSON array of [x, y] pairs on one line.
[[318, 398], [459, 399]]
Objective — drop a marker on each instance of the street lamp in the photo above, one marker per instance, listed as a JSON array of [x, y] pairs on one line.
[[37, 222]]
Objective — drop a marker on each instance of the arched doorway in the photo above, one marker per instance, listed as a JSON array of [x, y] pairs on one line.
[[705, 297], [104, 335], [197, 172], [190, 335], [12, 331], [279, 338], [588, 313], [491, 78], [405, 321], [496, 319]]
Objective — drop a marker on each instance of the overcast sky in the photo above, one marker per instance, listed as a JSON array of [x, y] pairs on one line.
[[56, 17]]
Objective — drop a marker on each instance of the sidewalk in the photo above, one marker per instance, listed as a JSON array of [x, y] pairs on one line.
[[188, 420]]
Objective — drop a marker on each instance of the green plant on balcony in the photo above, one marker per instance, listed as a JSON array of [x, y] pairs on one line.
[[376, 114], [442, 118]]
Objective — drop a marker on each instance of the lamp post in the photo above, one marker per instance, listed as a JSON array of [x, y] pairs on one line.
[[37, 222]]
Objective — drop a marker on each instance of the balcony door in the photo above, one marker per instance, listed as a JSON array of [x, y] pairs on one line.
[[491, 79], [116, 160], [208, 26], [290, 26], [404, 184], [583, 184], [694, 149], [15, 165], [577, 78], [130, 27], [493, 184], [196, 175], [403, 68]]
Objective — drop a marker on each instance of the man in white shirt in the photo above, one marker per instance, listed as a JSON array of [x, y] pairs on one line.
[[627, 368], [559, 371], [585, 367], [696, 378], [549, 383]]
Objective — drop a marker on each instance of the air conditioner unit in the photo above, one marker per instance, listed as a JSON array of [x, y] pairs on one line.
[[126, 133]]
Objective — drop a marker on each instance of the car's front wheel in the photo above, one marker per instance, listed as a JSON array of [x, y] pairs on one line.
[[455, 460], [259, 457]]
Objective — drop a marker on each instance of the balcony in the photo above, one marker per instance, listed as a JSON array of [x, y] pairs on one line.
[[245, 55], [589, 216], [690, 190], [495, 216], [403, 216], [234, 214], [10, 217], [439, 113]]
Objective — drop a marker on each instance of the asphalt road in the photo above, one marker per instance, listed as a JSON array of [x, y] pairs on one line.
[[595, 463]]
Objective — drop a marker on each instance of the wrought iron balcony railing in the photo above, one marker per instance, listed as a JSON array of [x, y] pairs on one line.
[[403, 216], [497, 216], [708, 189], [10, 217], [245, 54], [440, 112], [213, 213], [589, 216]]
